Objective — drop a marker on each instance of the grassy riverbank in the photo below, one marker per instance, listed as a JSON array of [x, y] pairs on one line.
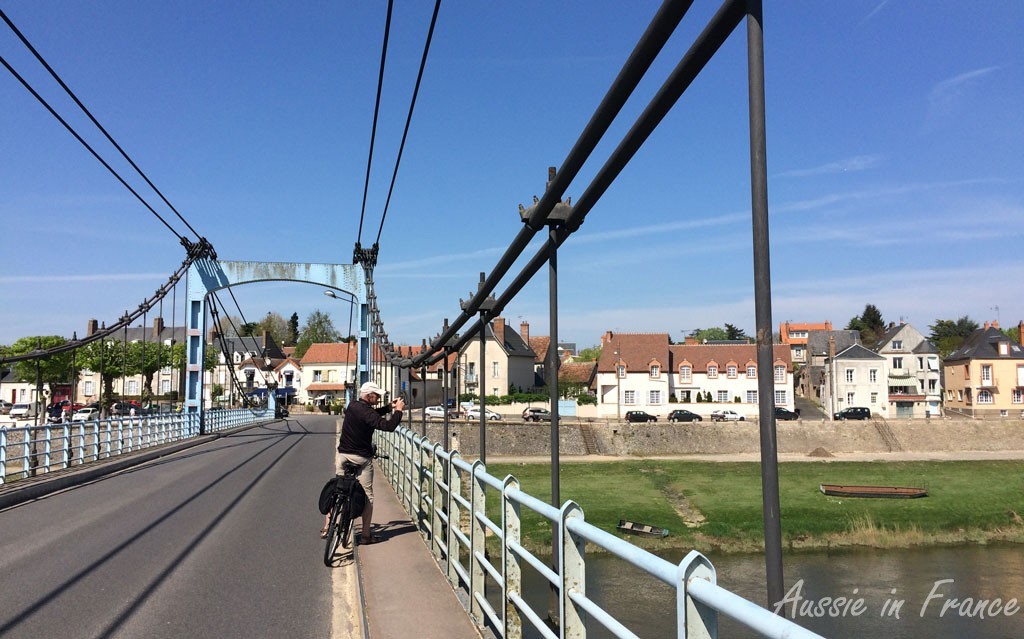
[[712, 505]]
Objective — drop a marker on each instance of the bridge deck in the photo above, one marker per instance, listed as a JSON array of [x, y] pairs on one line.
[[404, 592]]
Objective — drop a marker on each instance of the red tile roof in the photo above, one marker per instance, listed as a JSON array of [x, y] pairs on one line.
[[343, 353], [700, 355], [637, 350], [539, 345]]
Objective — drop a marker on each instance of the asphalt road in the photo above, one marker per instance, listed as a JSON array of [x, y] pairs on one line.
[[219, 540]]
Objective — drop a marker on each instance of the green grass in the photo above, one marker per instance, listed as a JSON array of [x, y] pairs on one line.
[[972, 501]]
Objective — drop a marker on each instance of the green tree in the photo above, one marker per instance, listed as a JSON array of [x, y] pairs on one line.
[[948, 335], [318, 329], [591, 354], [293, 330], [105, 357], [734, 333], [55, 369], [249, 329], [869, 323], [713, 334]]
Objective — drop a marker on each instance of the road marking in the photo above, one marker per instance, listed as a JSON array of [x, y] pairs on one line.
[[347, 606]]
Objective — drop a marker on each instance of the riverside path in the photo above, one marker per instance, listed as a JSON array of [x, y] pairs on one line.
[[219, 540]]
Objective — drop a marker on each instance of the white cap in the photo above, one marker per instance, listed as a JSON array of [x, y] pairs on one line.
[[370, 387]]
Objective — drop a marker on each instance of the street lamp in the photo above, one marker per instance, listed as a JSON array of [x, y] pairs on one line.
[[618, 384]]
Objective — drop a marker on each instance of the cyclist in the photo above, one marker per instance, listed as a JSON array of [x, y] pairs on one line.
[[356, 442]]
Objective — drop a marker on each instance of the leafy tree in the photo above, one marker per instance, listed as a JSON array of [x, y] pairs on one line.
[[106, 357], [318, 329], [591, 354], [293, 330], [1012, 333], [869, 323], [276, 325], [248, 329], [734, 333], [713, 334], [55, 369], [948, 335]]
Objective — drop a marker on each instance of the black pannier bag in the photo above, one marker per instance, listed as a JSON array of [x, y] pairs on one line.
[[341, 482]]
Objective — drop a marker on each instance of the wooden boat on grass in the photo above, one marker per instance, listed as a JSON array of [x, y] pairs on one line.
[[636, 528], [885, 492]]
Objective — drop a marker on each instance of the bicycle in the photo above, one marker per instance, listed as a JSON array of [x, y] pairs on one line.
[[347, 502]]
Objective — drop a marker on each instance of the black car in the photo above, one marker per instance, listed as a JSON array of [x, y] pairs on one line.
[[681, 415], [853, 412], [784, 413], [639, 416], [536, 415]]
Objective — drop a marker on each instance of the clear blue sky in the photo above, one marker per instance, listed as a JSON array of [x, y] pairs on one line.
[[895, 159]]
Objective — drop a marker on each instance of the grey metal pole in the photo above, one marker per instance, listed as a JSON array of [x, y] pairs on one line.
[[444, 403], [423, 379], [552, 363], [763, 305], [480, 386]]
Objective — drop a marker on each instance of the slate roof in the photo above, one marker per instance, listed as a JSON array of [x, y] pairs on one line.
[[817, 341], [983, 343], [857, 352], [513, 343]]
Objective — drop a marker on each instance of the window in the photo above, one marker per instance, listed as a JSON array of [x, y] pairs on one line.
[[751, 396], [654, 397], [897, 345], [712, 371], [165, 386], [731, 371], [238, 358], [1020, 375], [1018, 396], [849, 398], [1004, 348], [849, 375], [494, 370], [874, 398], [751, 372], [655, 370], [317, 376], [932, 384], [798, 334], [621, 371], [959, 395], [873, 375], [133, 387], [685, 374], [984, 397], [780, 397], [629, 397], [723, 396], [780, 373], [920, 363], [986, 374], [897, 362], [798, 353]]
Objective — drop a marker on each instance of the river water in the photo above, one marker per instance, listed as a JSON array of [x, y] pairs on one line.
[[924, 580]]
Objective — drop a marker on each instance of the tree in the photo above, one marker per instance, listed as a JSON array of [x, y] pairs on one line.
[[948, 335], [276, 325], [713, 334], [318, 329], [293, 330], [248, 329], [734, 333], [106, 357], [869, 323], [55, 369], [591, 354]]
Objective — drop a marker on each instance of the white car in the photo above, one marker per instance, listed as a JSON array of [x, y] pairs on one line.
[[434, 412], [474, 413], [22, 411], [726, 416], [86, 415]]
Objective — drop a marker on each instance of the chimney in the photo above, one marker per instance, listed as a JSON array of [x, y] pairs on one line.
[[524, 330], [158, 327], [213, 335], [1020, 332], [499, 329], [831, 347], [986, 325], [995, 323], [91, 328], [606, 338]]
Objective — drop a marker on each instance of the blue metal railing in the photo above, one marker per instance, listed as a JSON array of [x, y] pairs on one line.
[[446, 497], [58, 446]]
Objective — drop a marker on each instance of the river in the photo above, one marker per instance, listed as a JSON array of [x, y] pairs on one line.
[[877, 581]]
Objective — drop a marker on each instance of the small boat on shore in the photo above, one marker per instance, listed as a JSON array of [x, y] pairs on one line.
[[636, 528], [884, 492]]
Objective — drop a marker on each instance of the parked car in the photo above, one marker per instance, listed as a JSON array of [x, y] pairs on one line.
[[5, 407], [536, 415], [86, 415], [639, 416], [784, 413], [23, 411], [683, 415], [853, 412], [474, 413], [434, 412], [726, 416]]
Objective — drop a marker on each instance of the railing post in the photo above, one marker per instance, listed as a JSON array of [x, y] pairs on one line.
[[477, 542], [511, 570], [454, 517], [47, 448], [573, 573], [437, 499], [420, 511], [3, 456], [694, 620]]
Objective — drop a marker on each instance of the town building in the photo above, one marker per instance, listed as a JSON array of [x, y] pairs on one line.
[[985, 376], [915, 372]]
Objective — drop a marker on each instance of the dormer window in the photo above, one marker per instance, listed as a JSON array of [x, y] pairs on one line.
[[751, 371], [655, 370], [620, 371], [712, 371], [897, 345], [1004, 349], [685, 374], [730, 371]]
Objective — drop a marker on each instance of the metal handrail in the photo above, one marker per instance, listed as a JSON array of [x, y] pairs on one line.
[[430, 483]]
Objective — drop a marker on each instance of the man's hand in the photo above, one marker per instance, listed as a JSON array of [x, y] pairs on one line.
[[398, 404]]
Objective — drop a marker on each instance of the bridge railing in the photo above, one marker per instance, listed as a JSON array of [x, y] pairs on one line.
[[447, 498], [50, 447]]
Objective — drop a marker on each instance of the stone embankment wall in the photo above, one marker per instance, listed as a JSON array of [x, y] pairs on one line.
[[799, 437]]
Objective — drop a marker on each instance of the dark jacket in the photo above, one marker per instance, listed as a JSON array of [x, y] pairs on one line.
[[360, 421]]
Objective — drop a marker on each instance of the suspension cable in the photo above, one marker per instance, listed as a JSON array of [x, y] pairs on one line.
[[376, 112], [408, 119], [88, 113]]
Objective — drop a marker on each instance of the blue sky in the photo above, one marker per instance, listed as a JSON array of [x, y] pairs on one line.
[[894, 160]]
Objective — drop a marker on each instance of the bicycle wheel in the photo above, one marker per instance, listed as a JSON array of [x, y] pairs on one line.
[[333, 531], [345, 522]]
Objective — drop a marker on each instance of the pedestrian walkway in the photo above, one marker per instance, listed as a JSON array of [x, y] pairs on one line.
[[404, 592]]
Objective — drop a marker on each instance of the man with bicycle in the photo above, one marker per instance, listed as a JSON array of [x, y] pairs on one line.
[[356, 442]]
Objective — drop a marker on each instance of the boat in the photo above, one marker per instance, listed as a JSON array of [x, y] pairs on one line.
[[886, 492], [636, 528]]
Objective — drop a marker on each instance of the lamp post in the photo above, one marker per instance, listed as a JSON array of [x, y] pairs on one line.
[[618, 384]]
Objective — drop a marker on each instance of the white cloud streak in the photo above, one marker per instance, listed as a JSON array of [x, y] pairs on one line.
[[856, 163]]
